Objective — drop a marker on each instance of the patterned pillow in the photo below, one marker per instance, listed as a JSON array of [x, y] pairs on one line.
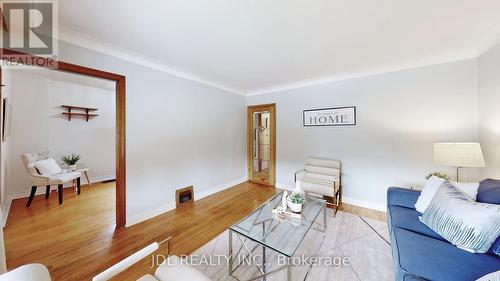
[[494, 276], [469, 225]]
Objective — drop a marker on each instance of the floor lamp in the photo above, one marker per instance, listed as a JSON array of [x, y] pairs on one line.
[[459, 155]]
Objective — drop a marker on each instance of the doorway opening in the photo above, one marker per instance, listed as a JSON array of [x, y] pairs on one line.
[[119, 83], [261, 141]]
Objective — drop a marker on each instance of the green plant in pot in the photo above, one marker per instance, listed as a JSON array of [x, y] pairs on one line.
[[71, 160], [438, 174], [295, 202]]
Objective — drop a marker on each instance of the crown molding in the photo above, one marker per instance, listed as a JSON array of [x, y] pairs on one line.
[[485, 43], [97, 45], [489, 40], [449, 58]]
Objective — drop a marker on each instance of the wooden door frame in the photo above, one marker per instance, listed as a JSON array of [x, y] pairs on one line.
[[271, 107], [120, 90]]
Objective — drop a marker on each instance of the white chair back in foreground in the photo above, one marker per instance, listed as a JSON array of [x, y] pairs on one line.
[[172, 269], [29, 272]]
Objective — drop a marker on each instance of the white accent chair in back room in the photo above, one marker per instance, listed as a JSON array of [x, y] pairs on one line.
[[322, 177], [44, 171]]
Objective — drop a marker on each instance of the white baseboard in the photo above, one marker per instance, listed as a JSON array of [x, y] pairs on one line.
[[135, 219], [41, 190], [364, 204], [347, 200], [284, 186], [219, 188], [150, 213], [5, 210]]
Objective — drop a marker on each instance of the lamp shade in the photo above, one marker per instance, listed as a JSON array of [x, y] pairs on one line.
[[459, 154]]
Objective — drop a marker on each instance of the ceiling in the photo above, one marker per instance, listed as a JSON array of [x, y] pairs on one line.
[[259, 46]]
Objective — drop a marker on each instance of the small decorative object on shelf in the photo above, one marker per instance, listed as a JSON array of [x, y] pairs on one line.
[[86, 111], [295, 202], [438, 174], [71, 161]]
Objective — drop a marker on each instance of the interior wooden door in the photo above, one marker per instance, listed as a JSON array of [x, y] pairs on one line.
[[261, 141]]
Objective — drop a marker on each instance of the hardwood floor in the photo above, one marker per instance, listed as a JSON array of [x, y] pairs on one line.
[[77, 239]]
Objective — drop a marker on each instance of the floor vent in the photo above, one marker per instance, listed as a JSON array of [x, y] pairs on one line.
[[184, 196]]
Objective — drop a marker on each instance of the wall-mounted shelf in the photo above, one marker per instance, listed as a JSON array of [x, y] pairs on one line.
[[86, 111]]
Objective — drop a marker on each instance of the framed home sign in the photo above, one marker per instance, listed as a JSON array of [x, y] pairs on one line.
[[335, 116]]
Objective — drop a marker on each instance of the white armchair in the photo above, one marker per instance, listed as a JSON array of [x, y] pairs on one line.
[[322, 177], [172, 269], [60, 178], [29, 272]]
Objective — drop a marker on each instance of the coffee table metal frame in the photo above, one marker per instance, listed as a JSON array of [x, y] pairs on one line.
[[273, 223]]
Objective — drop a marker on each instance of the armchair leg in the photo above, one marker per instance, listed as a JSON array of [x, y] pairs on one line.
[[60, 193], [32, 195], [78, 185], [338, 200], [337, 203], [47, 191]]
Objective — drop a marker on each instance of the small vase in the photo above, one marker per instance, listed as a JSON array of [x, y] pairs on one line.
[[295, 207], [71, 167]]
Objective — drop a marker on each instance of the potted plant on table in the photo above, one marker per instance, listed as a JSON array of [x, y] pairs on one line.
[[71, 160], [295, 202]]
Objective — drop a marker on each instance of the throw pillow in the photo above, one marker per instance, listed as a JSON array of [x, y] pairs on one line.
[[470, 189], [432, 185], [47, 167], [494, 276], [489, 191], [469, 225]]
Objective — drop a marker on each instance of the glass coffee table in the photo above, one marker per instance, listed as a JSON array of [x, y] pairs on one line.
[[280, 234]]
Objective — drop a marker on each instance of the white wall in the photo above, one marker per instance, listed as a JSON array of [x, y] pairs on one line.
[[37, 124], [3, 186], [489, 108], [4, 149], [400, 116], [178, 133]]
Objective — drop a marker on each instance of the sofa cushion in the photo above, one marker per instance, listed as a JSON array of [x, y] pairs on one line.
[[490, 277], [434, 259], [470, 225], [489, 191], [431, 186], [408, 219]]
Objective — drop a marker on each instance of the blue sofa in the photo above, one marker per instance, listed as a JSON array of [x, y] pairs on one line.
[[421, 254]]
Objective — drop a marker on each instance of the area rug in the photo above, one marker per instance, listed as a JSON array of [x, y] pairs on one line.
[[358, 246]]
